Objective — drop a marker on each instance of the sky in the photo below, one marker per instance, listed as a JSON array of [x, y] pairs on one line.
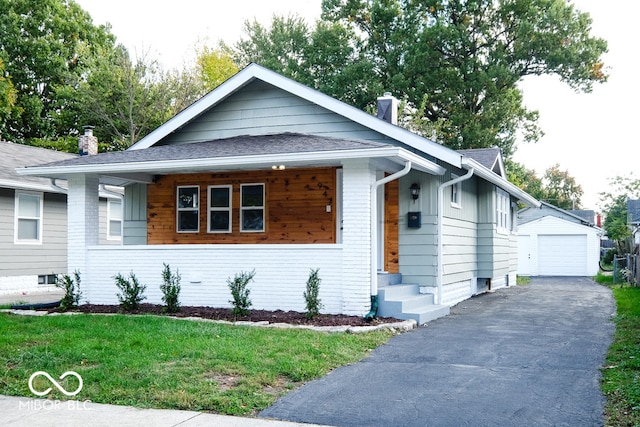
[[592, 136]]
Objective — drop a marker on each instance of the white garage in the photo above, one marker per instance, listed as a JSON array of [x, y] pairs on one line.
[[552, 246]]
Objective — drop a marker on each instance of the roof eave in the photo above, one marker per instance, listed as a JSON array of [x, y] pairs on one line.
[[490, 176]]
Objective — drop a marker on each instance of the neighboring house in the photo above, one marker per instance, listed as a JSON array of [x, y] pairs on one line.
[[33, 220], [266, 174], [633, 219], [557, 242]]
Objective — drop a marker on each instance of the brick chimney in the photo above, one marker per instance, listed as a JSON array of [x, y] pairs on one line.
[[87, 143], [388, 108]]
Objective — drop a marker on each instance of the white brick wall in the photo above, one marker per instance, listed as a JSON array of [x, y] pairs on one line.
[[83, 220], [281, 273], [358, 178]]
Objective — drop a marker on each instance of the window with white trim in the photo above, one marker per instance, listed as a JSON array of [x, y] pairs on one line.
[[114, 219], [456, 193], [188, 209], [503, 217], [252, 207], [28, 218], [219, 218]]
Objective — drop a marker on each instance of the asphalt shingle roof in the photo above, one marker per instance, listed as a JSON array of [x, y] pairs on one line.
[[14, 156], [238, 146], [485, 156]]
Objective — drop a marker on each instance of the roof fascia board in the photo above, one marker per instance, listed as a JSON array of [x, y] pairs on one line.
[[22, 185], [490, 176], [254, 71]]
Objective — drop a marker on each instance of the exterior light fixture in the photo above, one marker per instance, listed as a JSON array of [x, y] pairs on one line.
[[278, 167], [415, 191]]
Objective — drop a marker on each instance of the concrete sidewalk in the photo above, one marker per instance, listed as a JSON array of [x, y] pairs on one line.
[[36, 296], [25, 412]]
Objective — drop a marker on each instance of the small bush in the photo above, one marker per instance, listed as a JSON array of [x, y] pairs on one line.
[[311, 298], [240, 293], [71, 288], [131, 291], [170, 289]]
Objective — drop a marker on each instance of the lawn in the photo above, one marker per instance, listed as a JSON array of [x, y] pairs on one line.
[[621, 374], [154, 362]]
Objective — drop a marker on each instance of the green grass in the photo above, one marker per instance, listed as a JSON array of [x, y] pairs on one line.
[[523, 280], [621, 374], [149, 361]]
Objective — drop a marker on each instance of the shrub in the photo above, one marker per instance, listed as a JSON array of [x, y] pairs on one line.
[[240, 293], [311, 299], [71, 287], [170, 289], [131, 291]]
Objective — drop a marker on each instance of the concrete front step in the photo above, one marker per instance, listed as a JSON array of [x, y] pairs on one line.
[[406, 302]]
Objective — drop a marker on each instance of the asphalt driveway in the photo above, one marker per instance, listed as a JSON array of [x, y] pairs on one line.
[[522, 356]]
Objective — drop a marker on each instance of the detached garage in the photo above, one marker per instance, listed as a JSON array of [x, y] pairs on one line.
[[552, 246]]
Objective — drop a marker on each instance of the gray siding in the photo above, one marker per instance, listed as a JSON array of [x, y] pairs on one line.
[[50, 257], [135, 215], [262, 109]]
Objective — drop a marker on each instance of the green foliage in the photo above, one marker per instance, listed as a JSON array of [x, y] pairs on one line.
[[456, 64], [620, 383], [170, 289], [214, 65], [311, 295], [45, 46], [195, 366], [240, 292], [131, 291], [71, 288], [556, 187], [614, 209]]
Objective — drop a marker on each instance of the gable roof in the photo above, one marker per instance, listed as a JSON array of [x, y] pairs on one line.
[[490, 158], [14, 156], [584, 217], [256, 72]]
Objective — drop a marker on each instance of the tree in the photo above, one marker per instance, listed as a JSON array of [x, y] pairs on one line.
[[7, 97], [43, 44], [525, 179], [614, 209], [456, 63], [561, 189], [214, 66]]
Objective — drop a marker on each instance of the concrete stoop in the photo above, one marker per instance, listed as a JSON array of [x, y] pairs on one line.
[[404, 301]]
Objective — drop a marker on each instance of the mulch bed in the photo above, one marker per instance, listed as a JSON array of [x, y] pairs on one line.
[[277, 316]]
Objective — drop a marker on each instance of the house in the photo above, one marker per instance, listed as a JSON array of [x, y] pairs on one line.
[[266, 174], [33, 220], [557, 242], [633, 219]]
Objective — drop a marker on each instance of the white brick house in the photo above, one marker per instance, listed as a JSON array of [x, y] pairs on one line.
[[269, 175]]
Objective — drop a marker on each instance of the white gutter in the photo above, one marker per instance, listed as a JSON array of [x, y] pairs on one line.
[[441, 188], [374, 223]]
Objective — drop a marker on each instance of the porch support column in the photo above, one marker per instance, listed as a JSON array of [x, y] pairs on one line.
[[82, 224], [358, 177]]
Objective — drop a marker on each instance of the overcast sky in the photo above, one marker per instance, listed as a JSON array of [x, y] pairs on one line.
[[590, 135]]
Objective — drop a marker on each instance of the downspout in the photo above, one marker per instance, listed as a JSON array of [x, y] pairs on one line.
[[374, 237], [56, 186], [441, 188]]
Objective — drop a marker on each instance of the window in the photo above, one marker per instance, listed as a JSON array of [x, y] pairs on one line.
[[456, 193], [503, 216], [28, 218], [220, 209], [188, 212], [114, 219], [252, 207], [47, 279]]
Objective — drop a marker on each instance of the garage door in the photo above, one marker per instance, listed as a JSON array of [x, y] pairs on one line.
[[562, 255]]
